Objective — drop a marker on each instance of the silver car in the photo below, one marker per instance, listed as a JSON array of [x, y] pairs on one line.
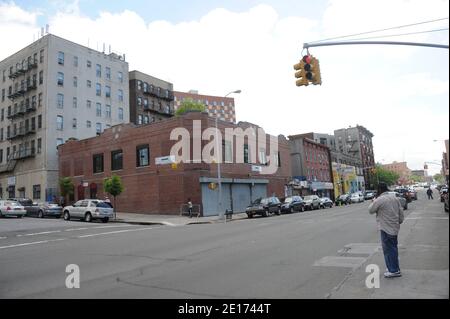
[[312, 202], [11, 208], [88, 210]]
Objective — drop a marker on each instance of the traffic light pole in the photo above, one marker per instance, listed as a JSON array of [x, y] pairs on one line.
[[322, 44]]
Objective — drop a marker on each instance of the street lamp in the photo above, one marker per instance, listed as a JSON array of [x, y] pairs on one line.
[[219, 176]]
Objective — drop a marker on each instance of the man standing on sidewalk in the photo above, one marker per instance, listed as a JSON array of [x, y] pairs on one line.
[[389, 214]]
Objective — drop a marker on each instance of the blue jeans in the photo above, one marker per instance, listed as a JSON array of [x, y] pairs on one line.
[[390, 251]]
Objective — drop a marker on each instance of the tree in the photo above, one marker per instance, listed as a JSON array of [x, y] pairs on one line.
[[416, 179], [66, 187], [114, 187], [439, 178], [190, 105], [385, 176]]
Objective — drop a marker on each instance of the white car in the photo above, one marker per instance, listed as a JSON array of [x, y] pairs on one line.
[[11, 208], [357, 198], [88, 210]]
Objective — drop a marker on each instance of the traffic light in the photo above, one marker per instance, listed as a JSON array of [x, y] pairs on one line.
[[300, 74], [316, 78]]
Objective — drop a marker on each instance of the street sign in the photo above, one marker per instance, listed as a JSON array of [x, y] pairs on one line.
[[165, 160]]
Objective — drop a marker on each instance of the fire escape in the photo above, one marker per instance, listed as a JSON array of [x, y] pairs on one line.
[[161, 94], [21, 127]]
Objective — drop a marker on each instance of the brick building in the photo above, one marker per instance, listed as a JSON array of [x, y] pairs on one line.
[[216, 106], [401, 168], [311, 162], [151, 99], [132, 152]]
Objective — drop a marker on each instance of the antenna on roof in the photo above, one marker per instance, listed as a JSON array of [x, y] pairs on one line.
[[47, 28]]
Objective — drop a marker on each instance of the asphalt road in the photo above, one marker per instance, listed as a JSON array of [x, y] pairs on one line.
[[288, 256]]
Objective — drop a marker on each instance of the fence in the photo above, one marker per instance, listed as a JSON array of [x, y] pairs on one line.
[[184, 210]]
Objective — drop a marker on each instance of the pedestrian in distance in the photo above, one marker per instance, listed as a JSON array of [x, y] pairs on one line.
[[389, 215], [430, 193], [189, 204]]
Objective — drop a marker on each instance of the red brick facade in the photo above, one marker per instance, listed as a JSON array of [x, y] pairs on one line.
[[158, 189]]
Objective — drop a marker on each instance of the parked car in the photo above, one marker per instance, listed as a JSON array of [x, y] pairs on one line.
[[401, 198], [11, 208], [264, 207], [343, 199], [442, 193], [370, 194], [357, 197], [293, 204], [88, 210], [39, 209], [446, 202], [325, 202], [312, 202], [412, 193]]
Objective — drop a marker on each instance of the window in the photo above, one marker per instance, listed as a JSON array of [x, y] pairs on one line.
[[98, 109], [36, 191], [98, 70], [98, 128], [145, 103], [88, 63], [88, 104], [120, 76], [116, 160], [3, 95], [228, 151], [3, 115], [120, 111], [107, 91], [1, 156], [108, 111], [246, 154], [88, 124], [41, 78], [41, 56], [60, 101], [75, 81], [98, 89], [97, 161], [75, 102], [39, 121], [262, 156], [39, 145], [75, 61], [146, 119], [139, 85], [142, 155], [60, 79], [139, 101], [59, 123], [1, 134], [108, 73], [74, 123], [61, 58], [120, 95], [139, 119], [88, 83], [40, 99]]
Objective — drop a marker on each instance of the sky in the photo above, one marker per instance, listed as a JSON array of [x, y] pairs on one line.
[[399, 93]]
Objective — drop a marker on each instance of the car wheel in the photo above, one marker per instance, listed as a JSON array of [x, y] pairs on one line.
[[19, 216], [105, 220], [302, 208], [88, 218], [41, 214], [249, 215], [278, 212], [66, 215], [292, 210], [265, 213]]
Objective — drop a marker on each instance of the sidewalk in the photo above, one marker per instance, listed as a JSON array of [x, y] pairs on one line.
[[424, 260], [170, 220]]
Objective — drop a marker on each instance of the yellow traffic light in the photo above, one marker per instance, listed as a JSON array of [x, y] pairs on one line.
[[315, 70], [300, 74]]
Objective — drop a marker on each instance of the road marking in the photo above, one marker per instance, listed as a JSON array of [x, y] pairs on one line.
[[42, 233], [32, 243], [360, 248], [115, 232], [99, 227], [3, 237], [409, 218]]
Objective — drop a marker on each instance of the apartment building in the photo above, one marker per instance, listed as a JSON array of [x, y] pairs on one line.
[[151, 99], [51, 91], [357, 142], [219, 107]]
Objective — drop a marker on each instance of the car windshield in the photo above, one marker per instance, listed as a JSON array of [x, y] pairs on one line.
[[257, 201], [10, 203], [308, 197], [288, 200]]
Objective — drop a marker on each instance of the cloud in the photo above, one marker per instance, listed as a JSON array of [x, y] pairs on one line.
[[255, 51]]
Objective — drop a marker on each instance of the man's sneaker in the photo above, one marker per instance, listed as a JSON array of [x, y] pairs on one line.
[[388, 274]]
